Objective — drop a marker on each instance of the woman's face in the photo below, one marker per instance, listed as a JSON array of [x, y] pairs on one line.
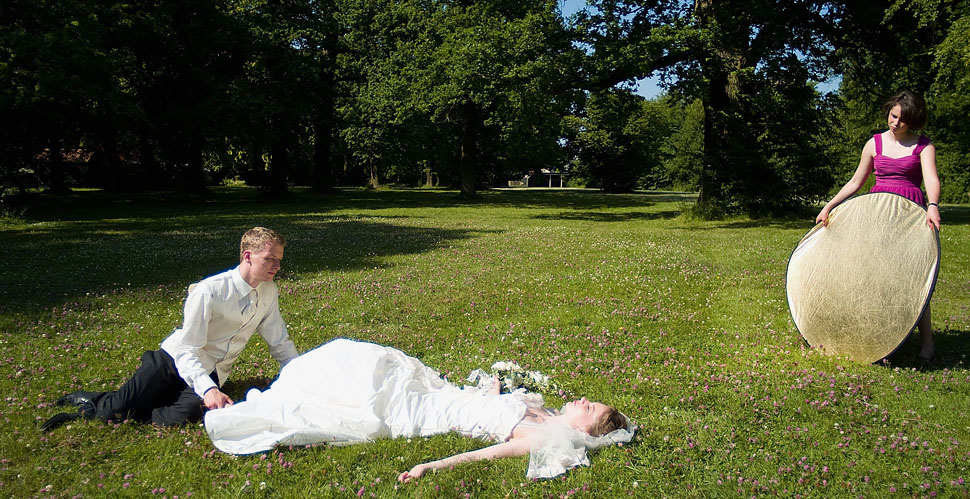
[[896, 124], [582, 414]]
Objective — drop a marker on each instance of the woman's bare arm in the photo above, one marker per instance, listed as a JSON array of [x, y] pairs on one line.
[[854, 184], [931, 180], [514, 447]]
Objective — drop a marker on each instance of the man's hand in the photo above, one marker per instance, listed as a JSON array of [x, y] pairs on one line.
[[215, 399]]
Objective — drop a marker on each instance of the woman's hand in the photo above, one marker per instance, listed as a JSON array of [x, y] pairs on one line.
[[823, 216], [933, 216], [415, 472], [496, 388], [514, 447]]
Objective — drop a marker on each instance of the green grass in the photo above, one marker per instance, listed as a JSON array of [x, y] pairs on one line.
[[682, 324]]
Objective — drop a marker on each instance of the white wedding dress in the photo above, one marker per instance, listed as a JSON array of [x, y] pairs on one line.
[[348, 391]]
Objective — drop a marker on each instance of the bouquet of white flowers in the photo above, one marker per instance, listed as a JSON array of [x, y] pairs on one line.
[[513, 377]]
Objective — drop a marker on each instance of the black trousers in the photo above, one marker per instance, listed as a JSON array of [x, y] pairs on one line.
[[155, 393]]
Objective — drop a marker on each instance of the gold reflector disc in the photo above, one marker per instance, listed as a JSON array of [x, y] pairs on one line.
[[858, 286]]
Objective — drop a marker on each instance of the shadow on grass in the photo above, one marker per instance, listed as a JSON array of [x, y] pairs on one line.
[[51, 264], [598, 216], [98, 205], [237, 389], [774, 223], [951, 348], [572, 199], [91, 242], [955, 215]]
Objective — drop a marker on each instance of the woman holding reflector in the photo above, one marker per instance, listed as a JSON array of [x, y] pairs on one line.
[[901, 159]]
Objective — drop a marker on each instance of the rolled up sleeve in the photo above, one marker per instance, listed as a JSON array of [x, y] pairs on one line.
[[273, 330]]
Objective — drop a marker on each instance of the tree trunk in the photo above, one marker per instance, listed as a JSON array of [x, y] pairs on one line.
[[191, 174], [469, 150], [56, 182], [715, 103], [374, 180], [323, 175], [431, 179], [279, 168], [323, 165], [117, 178], [148, 163]]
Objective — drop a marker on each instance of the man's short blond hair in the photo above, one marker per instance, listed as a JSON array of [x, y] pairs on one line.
[[255, 239]]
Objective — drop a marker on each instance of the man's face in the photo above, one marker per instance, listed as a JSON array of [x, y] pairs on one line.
[[265, 264]]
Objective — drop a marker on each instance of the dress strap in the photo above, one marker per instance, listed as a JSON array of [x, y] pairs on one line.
[[921, 144], [878, 138]]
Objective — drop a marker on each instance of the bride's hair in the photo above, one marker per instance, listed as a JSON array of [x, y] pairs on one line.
[[611, 420]]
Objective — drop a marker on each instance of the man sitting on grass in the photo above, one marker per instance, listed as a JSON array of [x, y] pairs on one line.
[[221, 313]]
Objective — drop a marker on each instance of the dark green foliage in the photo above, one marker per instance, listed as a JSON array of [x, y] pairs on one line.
[[618, 141], [949, 97], [185, 94], [684, 148], [748, 65], [928, 52]]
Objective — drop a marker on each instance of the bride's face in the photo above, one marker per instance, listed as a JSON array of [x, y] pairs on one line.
[[582, 414]]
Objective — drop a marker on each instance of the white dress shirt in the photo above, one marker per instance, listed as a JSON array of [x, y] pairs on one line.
[[221, 314]]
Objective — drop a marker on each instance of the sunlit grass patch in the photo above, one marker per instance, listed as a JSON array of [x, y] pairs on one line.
[[682, 324]]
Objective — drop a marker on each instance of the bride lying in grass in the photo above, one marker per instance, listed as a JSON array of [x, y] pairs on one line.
[[347, 391]]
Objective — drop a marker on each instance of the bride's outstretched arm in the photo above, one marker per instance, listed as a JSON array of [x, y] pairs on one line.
[[514, 447]]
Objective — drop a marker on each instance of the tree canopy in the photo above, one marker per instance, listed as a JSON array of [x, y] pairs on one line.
[[472, 94]]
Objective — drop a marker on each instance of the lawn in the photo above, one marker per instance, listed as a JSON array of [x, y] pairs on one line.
[[682, 324]]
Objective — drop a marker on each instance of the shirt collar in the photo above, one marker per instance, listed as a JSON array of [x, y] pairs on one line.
[[242, 287]]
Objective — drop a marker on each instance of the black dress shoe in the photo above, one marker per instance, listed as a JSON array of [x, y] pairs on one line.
[[58, 420], [77, 399]]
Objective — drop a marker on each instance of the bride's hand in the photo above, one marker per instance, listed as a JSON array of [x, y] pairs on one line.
[[496, 388], [416, 472]]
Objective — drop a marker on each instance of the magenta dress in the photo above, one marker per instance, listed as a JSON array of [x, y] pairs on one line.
[[901, 176]]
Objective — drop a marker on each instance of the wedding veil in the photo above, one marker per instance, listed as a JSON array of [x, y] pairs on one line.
[[557, 448]]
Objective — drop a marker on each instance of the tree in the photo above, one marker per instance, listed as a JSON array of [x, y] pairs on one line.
[[59, 79], [188, 54], [271, 97], [950, 97], [683, 150], [740, 59], [490, 67], [618, 140], [929, 54], [375, 111]]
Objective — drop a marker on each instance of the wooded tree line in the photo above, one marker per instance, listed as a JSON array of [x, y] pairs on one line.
[[186, 93]]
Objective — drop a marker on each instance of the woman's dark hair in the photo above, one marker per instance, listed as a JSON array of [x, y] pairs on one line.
[[611, 420], [912, 109]]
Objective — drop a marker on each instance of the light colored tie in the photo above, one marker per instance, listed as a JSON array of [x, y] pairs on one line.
[[249, 311]]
